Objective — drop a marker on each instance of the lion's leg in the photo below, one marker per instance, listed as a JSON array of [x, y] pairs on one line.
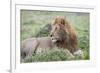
[[67, 51]]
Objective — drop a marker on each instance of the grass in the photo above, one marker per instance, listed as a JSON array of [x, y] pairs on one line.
[[52, 55], [35, 24]]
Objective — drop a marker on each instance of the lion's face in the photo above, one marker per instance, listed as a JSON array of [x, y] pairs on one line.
[[58, 33]]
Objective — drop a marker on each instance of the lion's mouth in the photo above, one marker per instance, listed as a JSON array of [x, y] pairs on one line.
[[56, 39]]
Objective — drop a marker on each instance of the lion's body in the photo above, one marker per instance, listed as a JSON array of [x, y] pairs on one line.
[[30, 46]]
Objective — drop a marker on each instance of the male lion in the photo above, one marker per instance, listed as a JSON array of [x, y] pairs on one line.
[[66, 35], [40, 44], [62, 35]]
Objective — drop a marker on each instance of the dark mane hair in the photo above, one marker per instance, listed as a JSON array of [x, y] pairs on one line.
[[69, 39]]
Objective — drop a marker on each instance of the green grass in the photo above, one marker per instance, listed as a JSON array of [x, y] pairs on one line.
[[35, 24], [52, 55]]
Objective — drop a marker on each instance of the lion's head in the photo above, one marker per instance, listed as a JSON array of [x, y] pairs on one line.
[[64, 34], [58, 33]]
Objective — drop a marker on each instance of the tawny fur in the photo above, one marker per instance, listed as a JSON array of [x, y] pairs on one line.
[[30, 46]]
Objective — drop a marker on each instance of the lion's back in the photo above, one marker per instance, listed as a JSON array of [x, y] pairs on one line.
[[45, 42]]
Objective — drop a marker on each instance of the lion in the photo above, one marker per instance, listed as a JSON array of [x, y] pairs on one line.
[[32, 46], [62, 35], [68, 38]]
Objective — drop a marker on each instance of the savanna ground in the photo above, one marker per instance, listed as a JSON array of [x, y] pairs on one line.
[[36, 24]]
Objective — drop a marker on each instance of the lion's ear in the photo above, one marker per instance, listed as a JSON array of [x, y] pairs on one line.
[[63, 22]]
